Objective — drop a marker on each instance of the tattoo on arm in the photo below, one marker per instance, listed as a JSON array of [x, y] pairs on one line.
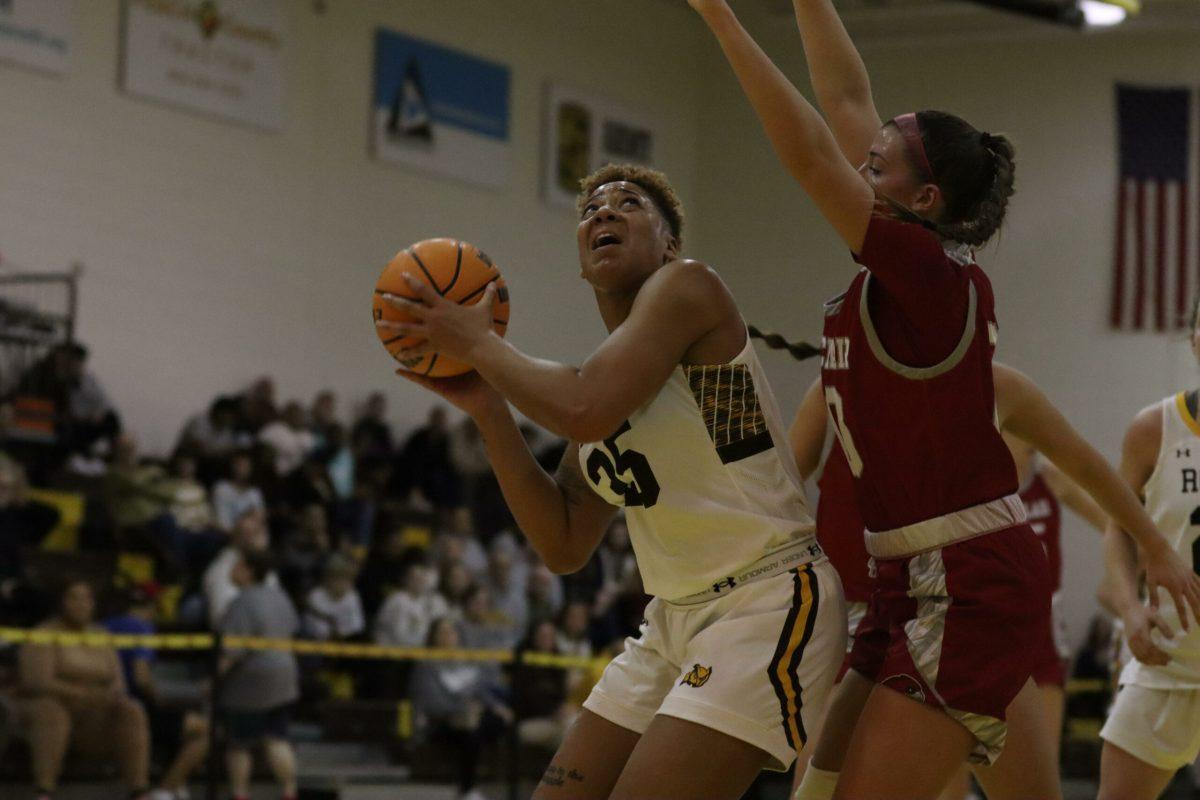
[[561, 776]]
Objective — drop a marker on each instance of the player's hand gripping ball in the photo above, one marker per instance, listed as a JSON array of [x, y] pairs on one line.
[[457, 271]]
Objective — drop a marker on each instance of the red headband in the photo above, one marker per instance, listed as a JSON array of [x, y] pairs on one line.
[[911, 131]]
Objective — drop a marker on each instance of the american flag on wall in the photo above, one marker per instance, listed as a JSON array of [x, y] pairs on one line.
[[1157, 249]]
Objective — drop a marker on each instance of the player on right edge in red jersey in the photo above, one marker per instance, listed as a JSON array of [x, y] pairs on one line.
[[1029, 423], [907, 376]]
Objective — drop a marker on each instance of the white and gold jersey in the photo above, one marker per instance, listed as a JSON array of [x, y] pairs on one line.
[[706, 477], [1173, 502]]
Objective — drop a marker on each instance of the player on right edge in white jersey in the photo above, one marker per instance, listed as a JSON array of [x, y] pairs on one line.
[[1153, 728]]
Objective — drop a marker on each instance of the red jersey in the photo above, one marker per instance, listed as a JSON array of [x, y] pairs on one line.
[[921, 441], [840, 526], [1045, 517]]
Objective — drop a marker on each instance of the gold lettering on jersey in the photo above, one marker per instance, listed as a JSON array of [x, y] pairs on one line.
[[837, 352]]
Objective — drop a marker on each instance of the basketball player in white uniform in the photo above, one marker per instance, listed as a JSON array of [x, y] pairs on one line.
[[1153, 727], [672, 419]]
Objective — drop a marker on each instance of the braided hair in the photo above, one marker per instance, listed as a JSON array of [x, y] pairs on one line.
[[801, 351]]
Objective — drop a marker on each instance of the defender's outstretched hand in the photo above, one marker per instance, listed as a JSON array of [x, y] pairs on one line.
[[1167, 571]]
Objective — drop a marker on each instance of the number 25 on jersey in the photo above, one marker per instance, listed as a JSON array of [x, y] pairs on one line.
[[639, 487]]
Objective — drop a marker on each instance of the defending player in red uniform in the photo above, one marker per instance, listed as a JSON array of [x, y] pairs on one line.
[[1043, 485], [908, 380]]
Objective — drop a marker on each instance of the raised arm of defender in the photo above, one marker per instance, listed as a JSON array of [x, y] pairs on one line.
[[839, 78], [804, 143]]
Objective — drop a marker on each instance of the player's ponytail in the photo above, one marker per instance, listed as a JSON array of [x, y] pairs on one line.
[[975, 171], [801, 351]]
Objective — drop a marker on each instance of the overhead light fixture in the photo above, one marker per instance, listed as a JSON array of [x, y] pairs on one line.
[[1062, 12], [1072, 13], [1099, 14]]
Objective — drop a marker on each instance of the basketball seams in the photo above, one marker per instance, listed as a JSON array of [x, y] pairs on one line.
[[457, 271], [412, 253], [480, 290]]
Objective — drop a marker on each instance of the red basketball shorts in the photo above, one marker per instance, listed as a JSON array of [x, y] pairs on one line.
[[954, 628]]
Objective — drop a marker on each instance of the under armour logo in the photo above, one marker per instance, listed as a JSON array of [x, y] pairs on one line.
[[726, 583], [1184, 452], [814, 550]]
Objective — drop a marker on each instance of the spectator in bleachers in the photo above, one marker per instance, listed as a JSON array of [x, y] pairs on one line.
[[323, 415], [333, 610], [455, 585], [371, 438], [481, 491], [289, 438], [236, 494], [189, 527], [84, 415], [455, 547], [256, 406], [382, 568], [189, 499], [482, 626], [305, 486], [456, 703], [540, 692], [249, 535], [573, 639], [339, 461], [410, 610], [74, 698], [23, 523], [303, 548], [133, 491], [507, 581], [213, 435], [544, 593], [424, 464], [259, 686], [184, 728]]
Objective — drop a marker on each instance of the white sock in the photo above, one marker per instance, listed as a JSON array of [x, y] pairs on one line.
[[817, 784]]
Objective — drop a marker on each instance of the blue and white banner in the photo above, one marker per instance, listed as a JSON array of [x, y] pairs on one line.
[[36, 33], [440, 110], [222, 57]]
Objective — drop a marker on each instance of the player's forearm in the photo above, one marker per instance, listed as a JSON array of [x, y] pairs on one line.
[[791, 123], [838, 72], [1120, 570], [535, 499], [551, 394], [839, 77], [1081, 462]]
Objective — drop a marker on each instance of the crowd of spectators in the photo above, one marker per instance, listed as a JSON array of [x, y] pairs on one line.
[[285, 519]]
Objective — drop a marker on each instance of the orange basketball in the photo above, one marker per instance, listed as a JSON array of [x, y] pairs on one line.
[[456, 270]]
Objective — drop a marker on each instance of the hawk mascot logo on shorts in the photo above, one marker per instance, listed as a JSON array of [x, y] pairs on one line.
[[697, 677]]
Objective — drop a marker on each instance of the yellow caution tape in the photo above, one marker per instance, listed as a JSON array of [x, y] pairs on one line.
[[121, 641], [206, 641]]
